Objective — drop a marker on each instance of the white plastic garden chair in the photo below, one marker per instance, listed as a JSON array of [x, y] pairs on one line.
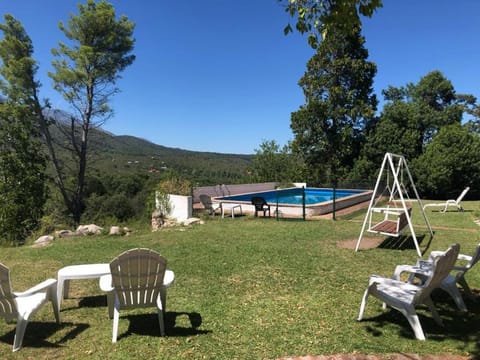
[[210, 206], [450, 202], [22, 305], [423, 268], [404, 297], [137, 281]]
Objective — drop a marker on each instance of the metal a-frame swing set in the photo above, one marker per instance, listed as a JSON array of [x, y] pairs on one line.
[[397, 213]]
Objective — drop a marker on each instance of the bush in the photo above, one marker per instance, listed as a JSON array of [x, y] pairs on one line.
[[175, 185], [449, 164], [118, 206]]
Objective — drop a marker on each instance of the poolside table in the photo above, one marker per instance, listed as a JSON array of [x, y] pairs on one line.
[[72, 272], [231, 207]]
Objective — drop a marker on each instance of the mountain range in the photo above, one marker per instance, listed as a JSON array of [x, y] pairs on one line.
[[130, 154]]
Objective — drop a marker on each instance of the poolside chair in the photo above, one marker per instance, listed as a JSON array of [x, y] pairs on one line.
[[450, 202], [422, 269], [138, 281], [404, 297], [22, 305], [210, 206], [260, 205]]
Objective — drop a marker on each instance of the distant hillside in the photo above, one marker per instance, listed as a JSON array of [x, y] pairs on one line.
[[128, 154]]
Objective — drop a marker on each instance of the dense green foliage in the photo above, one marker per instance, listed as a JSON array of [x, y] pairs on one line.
[[412, 115], [338, 89], [317, 17], [450, 162], [22, 164], [272, 163], [423, 122]]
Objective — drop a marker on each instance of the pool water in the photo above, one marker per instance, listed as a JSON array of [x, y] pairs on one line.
[[295, 196]]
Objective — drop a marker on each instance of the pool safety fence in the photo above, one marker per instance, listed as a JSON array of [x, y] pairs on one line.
[[291, 192]]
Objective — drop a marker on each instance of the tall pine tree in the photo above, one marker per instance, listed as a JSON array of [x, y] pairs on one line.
[[87, 68]]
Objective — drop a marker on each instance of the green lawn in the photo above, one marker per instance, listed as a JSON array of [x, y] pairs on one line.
[[247, 288]]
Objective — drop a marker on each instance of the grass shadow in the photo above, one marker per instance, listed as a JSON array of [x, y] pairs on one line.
[[406, 242], [37, 333], [86, 301], [147, 324], [93, 301]]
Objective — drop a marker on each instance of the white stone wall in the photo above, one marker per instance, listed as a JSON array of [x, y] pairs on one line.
[[181, 207]]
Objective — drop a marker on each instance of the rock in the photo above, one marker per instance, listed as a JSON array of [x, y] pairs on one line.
[[114, 230], [158, 219], [169, 223], [191, 221], [117, 230], [89, 229], [66, 233], [43, 241]]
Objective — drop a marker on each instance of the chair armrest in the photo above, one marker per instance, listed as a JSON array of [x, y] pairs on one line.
[[434, 254], [422, 268], [425, 264], [43, 286], [464, 257], [461, 257], [460, 268], [375, 279], [105, 283]]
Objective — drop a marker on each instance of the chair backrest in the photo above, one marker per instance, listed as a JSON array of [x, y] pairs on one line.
[[442, 265], [258, 202], [8, 307], [137, 277], [403, 220], [475, 257], [462, 195], [461, 270], [206, 201]]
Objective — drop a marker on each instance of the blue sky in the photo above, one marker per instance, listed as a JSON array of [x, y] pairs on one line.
[[220, 76]]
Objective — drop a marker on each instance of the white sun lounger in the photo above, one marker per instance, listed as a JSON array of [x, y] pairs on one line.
[[450, 202]]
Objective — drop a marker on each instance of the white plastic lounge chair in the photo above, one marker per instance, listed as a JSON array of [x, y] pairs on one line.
[[22, 305], [138, 281], [423, 268], [450, 202], [207, 203], [404, 297]]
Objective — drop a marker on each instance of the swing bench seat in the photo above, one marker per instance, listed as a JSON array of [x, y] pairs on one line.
[[390, 227]]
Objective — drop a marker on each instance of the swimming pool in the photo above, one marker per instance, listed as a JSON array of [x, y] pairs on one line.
[[291, 201]]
